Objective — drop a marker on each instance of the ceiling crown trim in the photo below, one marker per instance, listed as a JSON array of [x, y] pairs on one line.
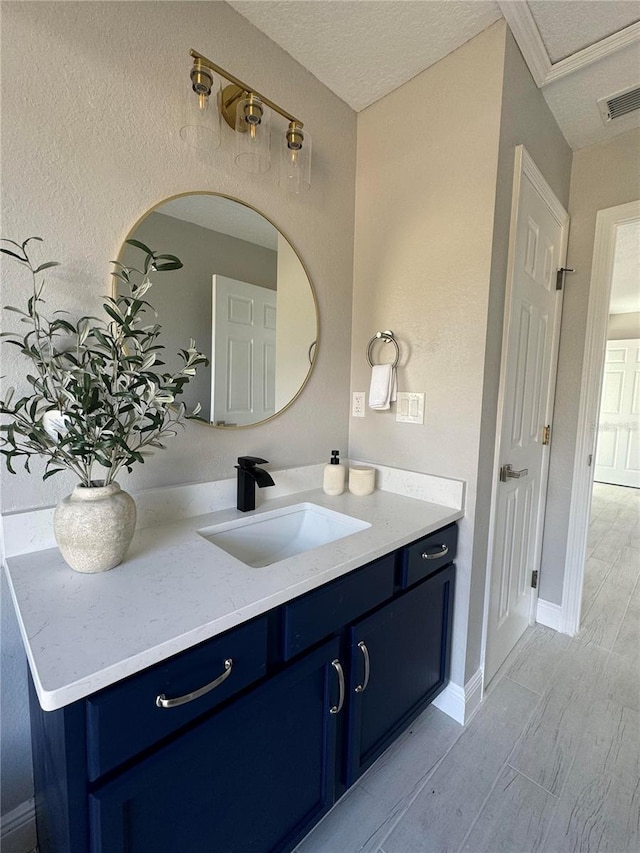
[[525, 31]]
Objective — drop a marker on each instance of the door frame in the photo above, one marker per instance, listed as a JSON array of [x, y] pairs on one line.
[[523, 166], [608, 221]]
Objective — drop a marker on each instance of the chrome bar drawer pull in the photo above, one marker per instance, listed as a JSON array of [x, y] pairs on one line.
[[163, 702], [435, 555], [338, 668], [507, 473], [365, 652]]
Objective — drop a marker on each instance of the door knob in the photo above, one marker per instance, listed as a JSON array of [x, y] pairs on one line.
[[507, 473]]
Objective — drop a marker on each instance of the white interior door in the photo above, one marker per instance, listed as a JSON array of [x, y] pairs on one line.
[[618, 447], [529, 360], [243, 374]]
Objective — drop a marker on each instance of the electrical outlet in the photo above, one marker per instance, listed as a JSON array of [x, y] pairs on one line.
[[410, 408], [357, 406]]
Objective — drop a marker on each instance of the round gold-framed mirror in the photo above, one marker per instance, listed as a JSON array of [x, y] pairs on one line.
[[243, 294]]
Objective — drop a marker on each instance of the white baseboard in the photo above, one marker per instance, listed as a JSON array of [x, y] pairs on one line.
[[461, 703], [18, 834], [548, 614]]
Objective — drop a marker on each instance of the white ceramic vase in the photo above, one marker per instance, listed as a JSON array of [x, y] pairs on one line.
[[94, 527]]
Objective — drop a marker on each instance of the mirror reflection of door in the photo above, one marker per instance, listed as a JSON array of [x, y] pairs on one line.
[[243, 368], [215, 236]]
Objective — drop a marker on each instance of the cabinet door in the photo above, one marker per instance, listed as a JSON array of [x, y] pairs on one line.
[[399, 662], [255, 776]]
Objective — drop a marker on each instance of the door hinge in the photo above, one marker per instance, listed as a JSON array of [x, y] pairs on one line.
[[589, 460], [560, 275], [534, 579], [546, 434]]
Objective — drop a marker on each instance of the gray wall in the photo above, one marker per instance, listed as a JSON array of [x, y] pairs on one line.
[[95, 146], [182, 298], [432, 236], [85, 155], [622, 327], [423, 235], [602, 176]]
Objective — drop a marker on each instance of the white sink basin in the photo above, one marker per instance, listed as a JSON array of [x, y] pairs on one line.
[[261, 540]]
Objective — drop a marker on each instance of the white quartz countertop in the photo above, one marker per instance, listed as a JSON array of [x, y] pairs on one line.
[[175, 589]]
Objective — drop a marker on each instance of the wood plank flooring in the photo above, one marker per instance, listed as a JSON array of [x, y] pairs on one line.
[[551, 761]]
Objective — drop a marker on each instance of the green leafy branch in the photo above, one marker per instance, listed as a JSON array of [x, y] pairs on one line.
[[96, 394]]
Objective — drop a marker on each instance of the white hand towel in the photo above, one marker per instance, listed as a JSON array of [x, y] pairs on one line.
[[383, 388]]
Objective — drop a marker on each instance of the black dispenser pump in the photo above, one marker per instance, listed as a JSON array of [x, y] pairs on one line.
[[335, 457]]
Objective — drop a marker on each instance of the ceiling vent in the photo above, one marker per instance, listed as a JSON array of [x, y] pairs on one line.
[[620, 104]]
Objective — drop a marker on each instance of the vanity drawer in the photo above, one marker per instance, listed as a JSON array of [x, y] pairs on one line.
[[125, 719], [427, 555], [310, 618]]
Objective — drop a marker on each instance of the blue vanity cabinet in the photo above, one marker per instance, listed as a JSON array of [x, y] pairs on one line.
[[255, 776], [399, 662], [305, 698]]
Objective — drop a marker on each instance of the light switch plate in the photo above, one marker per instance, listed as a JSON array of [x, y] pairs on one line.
[[357, 406], [410, 408]]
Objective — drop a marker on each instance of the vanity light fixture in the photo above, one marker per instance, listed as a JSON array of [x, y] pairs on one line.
[[201, 121], [247, 112], [253, 140], [295, 159]]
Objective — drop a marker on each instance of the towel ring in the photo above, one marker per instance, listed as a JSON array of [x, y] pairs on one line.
[[388, 337]]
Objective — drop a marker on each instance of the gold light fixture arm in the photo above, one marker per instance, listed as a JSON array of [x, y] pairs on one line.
[[244, 87]]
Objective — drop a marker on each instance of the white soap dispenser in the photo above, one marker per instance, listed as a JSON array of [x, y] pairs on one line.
[[334, 475]]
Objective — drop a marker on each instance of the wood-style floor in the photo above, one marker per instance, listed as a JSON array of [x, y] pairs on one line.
[[551, 761]]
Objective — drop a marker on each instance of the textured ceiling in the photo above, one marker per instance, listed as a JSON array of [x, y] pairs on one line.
[[566, 28], [364, 49], [574, 99]]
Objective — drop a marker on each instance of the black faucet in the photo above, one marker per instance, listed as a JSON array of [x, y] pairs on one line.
[[248, 476]]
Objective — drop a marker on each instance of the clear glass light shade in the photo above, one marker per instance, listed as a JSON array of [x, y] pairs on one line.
[[253, 137], [295, 163], [200, 126]]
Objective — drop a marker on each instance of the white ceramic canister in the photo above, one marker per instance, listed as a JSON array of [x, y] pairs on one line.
[[94, 526], [362, 480]]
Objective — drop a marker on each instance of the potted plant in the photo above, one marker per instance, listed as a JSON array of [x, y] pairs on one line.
[[96, 404]]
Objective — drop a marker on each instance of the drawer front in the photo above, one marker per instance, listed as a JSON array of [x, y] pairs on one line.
[[125, 719], [309, 619], [427, 555]]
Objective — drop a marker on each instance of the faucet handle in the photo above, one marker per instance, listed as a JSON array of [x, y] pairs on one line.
[[250, 461]]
